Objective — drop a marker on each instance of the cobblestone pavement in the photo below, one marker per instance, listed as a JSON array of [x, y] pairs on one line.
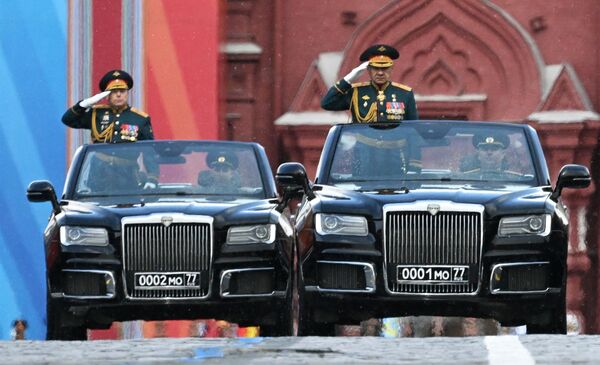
[[540, 349]]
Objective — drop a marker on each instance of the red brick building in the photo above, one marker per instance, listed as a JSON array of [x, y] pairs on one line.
[[527, 61]]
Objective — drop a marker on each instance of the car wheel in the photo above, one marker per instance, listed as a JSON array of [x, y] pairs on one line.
[[283, 327], [307, 326], [552, 322], [56, 330]]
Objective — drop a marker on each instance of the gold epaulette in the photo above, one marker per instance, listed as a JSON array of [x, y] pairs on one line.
[[101, 106], [402, 86], [361, 84], [136, 111]]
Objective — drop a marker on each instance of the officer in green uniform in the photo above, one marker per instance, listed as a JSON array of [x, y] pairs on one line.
[[379, 100], [223, 176], [115, 122], [490, 162]]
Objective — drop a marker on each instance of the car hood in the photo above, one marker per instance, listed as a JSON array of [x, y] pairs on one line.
[[224, 213], [496, 201]]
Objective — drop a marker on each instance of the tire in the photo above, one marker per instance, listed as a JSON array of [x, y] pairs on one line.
[[554, 321], [55, 317], [285, 323], [307, 326], [284, 326]]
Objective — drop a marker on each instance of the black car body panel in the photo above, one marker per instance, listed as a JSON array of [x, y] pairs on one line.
[[426, 241], [162, 252]]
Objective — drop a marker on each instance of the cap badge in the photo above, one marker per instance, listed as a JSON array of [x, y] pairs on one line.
[[381, 49], [489, 139], [221, 159], [116, 73]]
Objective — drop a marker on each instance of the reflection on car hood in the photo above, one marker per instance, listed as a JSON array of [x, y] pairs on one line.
[[224, 213], [496, 201]]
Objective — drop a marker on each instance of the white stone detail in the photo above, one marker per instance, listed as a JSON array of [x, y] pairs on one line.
[[563, 116], [451, 98], [328, 64], [241, 48], [581, 230]]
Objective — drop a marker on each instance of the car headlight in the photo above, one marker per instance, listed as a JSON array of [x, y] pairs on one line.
[[87, 236], [525, 225], [348, 225], [261, 233]]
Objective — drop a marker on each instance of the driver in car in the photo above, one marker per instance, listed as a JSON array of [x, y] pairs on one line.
[[223, 176], [490, 160]]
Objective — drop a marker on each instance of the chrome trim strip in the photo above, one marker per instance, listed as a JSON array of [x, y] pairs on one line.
[[177, 218], [226, 277], [499, 291], [369, 277], [421, 206], [110, 287]]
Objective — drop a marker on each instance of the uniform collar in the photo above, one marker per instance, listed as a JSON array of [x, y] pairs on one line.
[[126, 107], [383, 88]]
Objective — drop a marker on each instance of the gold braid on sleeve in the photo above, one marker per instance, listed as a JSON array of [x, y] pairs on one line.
[[371, 114], [105, 135]]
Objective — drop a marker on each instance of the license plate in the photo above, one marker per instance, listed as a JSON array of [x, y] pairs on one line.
[[167, 280], [423, 274]]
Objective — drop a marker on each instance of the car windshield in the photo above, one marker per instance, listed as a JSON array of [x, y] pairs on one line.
[[432, 154], [169, 170]]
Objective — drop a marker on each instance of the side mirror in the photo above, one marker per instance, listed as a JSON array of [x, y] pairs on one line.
[[43, 191], [291, 176], [572, 176]]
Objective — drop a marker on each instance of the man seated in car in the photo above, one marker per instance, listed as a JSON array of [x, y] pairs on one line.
[[490, 160], [223, 176]]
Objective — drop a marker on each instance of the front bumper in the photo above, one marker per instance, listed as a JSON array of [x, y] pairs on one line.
[[241, 290], [512, 282]]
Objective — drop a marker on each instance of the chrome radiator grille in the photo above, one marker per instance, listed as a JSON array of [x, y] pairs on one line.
[[157, 248], [421, 238]]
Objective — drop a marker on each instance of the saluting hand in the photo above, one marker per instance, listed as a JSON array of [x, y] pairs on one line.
[[356, 72], [86, 103]]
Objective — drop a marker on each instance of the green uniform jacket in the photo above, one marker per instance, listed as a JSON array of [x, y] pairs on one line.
[[396, 102], [108, 125]]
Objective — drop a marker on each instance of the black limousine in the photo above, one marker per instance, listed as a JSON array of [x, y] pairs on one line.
[[444, 218], [158, 230]]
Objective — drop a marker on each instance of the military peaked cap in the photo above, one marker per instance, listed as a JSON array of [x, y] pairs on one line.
[[220, 159], [116, 79], [380, 55], [491, 139]]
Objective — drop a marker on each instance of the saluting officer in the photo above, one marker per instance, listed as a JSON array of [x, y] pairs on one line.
[[115, 122], [378, 100]]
